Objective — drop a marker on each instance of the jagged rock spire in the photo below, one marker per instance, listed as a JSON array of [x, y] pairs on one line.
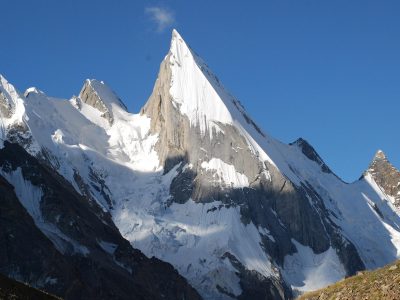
[[379, 155], [386, 176], [100, 96]]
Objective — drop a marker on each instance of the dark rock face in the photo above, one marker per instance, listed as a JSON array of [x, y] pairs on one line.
[[255, 286], [386, 176], [24, 250], [107, 268]]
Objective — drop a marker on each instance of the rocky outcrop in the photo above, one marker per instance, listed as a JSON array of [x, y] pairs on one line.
[[98, 95], [5, 107], [386, 176]]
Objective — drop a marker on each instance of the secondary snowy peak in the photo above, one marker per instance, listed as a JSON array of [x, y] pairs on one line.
[[13, 125], [100, 96], [386, 176]]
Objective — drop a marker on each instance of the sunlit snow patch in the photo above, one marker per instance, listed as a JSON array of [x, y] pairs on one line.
[[226, 173], [307, 271]]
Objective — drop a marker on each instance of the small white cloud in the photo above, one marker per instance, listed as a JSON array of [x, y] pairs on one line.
[[163, 17]]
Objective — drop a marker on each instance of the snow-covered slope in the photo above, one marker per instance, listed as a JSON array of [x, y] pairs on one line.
[[195, 182], [55, 239], [71, 246]]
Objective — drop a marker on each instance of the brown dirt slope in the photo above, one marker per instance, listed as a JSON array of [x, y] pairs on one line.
[[14, 290], [380, 284]]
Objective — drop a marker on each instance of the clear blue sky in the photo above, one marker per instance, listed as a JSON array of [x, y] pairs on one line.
[[328, 71]]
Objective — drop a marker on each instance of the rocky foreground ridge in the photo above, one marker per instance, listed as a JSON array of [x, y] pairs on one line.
[[11, 289], [380, 284]]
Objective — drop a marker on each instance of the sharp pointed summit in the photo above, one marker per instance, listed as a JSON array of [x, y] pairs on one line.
[[198, 93], [179, 49], [175, 33], [177, 42]]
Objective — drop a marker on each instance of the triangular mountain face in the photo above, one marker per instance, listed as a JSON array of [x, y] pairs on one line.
[[99, 96], [193, 181]]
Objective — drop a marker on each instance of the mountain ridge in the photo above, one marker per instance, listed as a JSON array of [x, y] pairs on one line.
[[193, 181]]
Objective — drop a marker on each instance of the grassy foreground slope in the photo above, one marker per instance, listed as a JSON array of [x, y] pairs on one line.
[[380, 284], [14, 290]]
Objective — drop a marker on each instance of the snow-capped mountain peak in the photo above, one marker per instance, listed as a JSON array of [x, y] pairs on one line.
[[192, 91], [199, 94]]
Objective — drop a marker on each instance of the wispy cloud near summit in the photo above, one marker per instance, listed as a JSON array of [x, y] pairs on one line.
[[163, 17]]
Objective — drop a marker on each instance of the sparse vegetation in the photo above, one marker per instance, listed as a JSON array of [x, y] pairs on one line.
[[380, 284], [14, 290]]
